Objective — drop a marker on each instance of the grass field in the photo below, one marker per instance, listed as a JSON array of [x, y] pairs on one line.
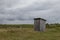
[[28, 33]]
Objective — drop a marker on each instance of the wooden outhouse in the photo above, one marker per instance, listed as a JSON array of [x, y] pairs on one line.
[[39, 24]]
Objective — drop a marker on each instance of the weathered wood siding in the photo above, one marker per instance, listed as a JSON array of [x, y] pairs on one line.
[[37, 25], [42, 25]]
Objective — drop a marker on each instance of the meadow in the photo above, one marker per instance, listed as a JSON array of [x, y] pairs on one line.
[[26, 32]]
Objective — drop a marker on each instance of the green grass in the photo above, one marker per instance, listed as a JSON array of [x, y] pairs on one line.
[[26, 32], [29, 34]]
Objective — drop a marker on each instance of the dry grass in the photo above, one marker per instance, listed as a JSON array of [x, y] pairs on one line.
[[29, 34]]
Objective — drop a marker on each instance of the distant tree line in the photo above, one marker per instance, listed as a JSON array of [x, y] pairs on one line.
[[16, 25], [27, 25], [52, 25]]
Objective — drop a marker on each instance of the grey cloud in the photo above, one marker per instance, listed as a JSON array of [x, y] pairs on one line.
[[8, 3], [48, 10], [37, 6]]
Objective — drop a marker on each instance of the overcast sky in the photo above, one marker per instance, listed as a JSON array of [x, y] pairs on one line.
[[24, 11]]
